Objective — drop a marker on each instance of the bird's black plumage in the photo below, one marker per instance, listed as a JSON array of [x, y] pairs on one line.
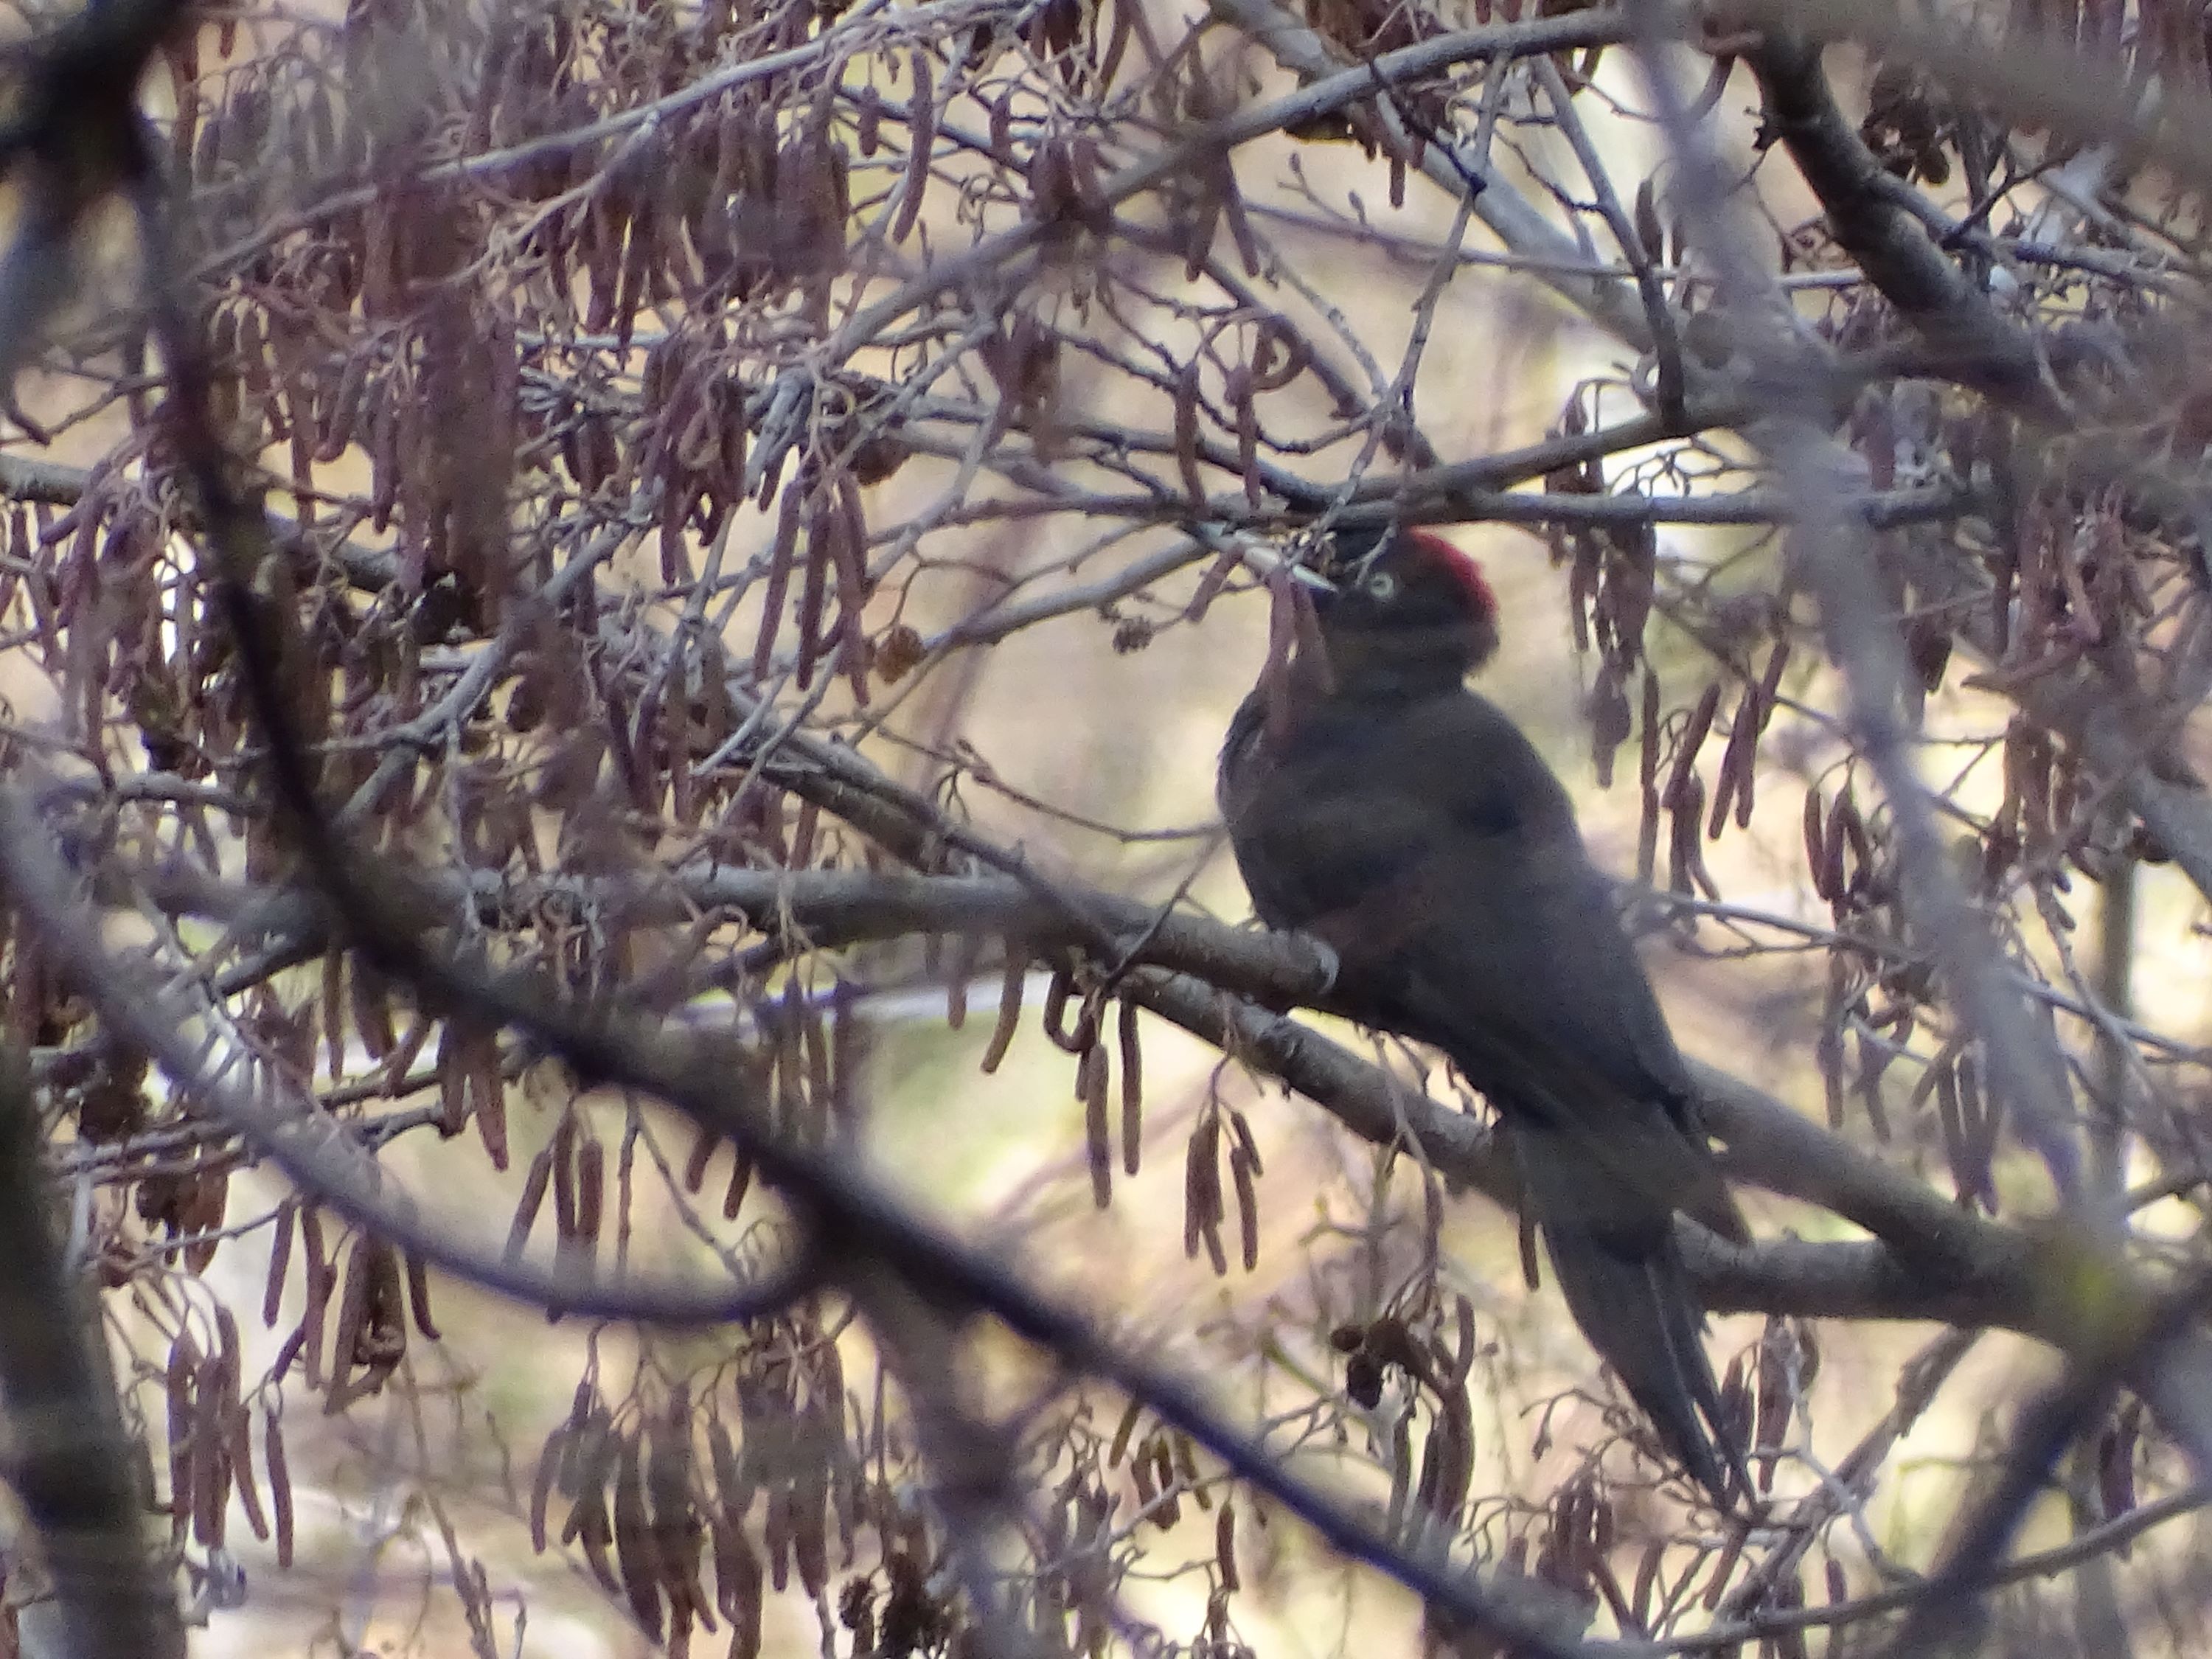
[[1375, 801]]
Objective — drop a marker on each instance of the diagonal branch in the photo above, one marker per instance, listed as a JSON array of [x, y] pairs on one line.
[[1975, 344]]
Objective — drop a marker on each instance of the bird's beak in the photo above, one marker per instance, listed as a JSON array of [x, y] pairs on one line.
[[1267, 559]]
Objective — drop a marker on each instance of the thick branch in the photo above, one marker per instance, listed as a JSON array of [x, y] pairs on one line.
[[1935, 1260], [70, 1462], [1983, 348]]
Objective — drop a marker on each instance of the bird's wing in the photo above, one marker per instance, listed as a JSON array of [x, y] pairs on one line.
[[1432, 846], [1318, 843], [1549, 1014], [1510, 958]]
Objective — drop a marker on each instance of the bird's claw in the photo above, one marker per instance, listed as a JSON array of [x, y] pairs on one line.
[[1331, 963]]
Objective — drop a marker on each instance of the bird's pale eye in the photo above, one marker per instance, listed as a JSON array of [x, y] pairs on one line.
[[1383, 586]]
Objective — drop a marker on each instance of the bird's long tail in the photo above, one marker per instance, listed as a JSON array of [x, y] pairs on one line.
[[1623, 1276]]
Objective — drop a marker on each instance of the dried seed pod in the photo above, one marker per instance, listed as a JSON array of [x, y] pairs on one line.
[[1203, 1208], [1611, 722], [1225, 564], [822, 530], [372, 1011], [1777, 1398], [353, 1315], [322, 1281], [279, 1484], [1847, 830], [810, 1534], [741, 1178], [1247, 1207], [959, 969], [781, 552], [1401, 1478], [588, 1461], [703, 1142], [1140, 1476], [1091, 1081], [1957, 1152], [381, 1341], [534, 1184], [775, 1536], [1122, 1431], [1186, 433], [867, 132], [590, 1525], [385, 462], [211, 1454], [591, 1192], [737, 1591], [1733, 784], [899, 652], [183, 1370], [203, 1212], [453, 1080], [238, 1429], [803, 828], [1060, 991], [280, 1258], [1692, 740], [634, 1553], [1185, 1464], [419, 1296], [1279, 354], [563, 1149], [487, 1094], [1645, 219], [1467, 1346], [1647, 1580], [1686, 859], [921, 142], [1725, 1568], [588, 1521], [339, 414], [1770, 682], [676, 1529], [1237, 390], [1647, 836], [848, 546], [1816, 846], [550, 1460], [1133, 1089], [1011, 991], [1240, 1128], [734, 1486], [1834, 878], [1448, 1460], [334, 1014], [2116, 1463]]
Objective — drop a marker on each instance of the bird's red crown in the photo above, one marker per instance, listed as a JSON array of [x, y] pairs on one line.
[[1443, 555]]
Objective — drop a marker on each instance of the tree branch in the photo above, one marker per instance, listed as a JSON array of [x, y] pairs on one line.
[[1977, 346]]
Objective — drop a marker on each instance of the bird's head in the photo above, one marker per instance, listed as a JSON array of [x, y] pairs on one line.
[[1404, 603]]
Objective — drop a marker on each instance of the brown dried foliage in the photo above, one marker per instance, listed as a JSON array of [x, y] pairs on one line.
[[612, 514]]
